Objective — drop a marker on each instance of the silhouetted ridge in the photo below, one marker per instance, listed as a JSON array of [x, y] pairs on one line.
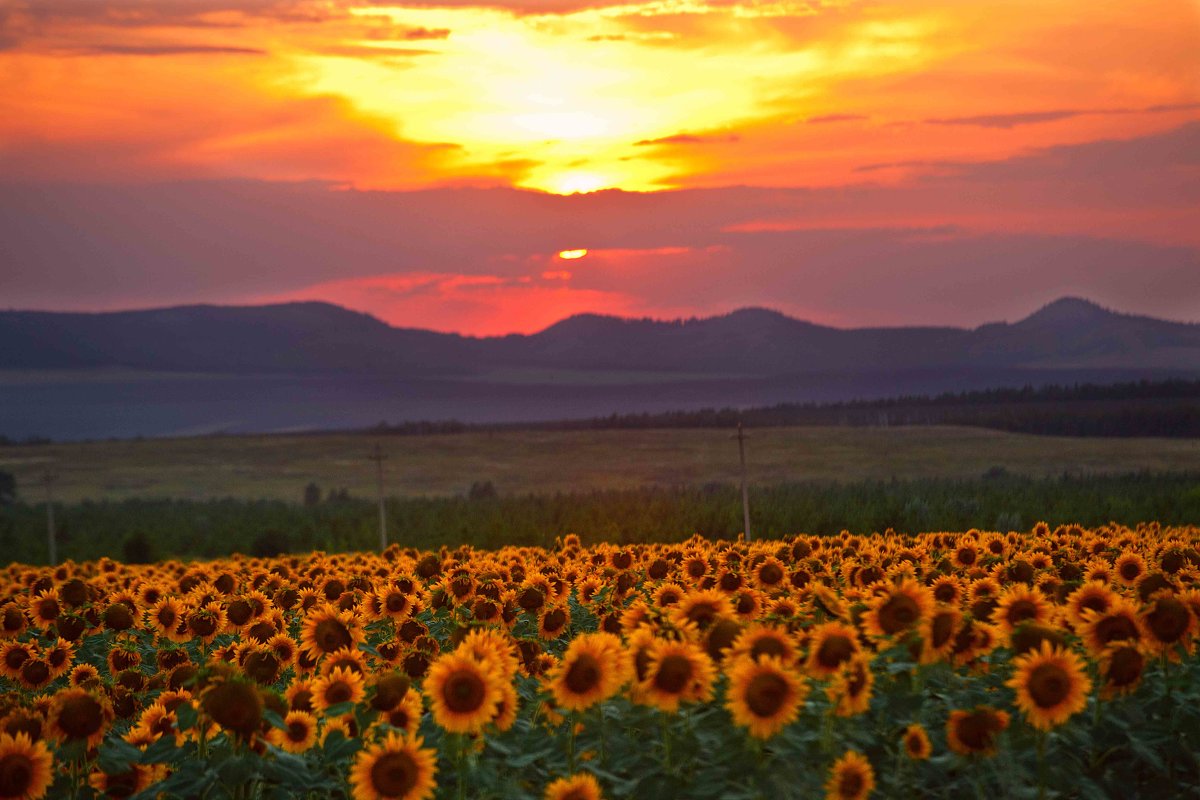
[[1070, 333]]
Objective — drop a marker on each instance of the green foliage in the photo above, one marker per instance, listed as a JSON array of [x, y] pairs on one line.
[[208, 529], [8, 488]]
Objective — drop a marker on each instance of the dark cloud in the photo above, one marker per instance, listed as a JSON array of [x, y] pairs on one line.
[[363, 51], [415, 34], [1034, 117], [160, 50], [825, 118], [691, 138]]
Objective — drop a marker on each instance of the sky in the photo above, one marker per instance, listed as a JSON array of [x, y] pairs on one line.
[[852, 163]]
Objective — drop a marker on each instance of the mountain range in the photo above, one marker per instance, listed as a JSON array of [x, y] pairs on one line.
[[314, 337]]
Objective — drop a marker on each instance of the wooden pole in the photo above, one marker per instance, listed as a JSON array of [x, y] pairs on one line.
[[741, 437], [378, 457], [51, 542]]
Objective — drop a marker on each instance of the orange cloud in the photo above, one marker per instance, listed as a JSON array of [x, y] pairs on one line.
[[567, 95], [480, 305]]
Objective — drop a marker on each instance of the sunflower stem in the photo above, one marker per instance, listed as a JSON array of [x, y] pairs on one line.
[[573, 721], [1041, 761], [666, 740], [603, 738], [460, 764]]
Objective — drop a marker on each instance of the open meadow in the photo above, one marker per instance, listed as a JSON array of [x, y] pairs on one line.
[[544, 462]]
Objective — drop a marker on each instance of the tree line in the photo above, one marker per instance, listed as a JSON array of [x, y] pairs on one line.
[[1168, 408]]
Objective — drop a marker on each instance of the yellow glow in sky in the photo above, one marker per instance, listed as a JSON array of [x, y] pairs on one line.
[[574, 102], [571, 255]]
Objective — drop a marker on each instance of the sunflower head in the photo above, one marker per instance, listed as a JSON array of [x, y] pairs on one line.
[[764, 695], [583, 786], [1121, 668], [850, 778], [463, 693], [976, 732], [79, 715], [235, 705], [916, 742], [396, 768], [25, 767]]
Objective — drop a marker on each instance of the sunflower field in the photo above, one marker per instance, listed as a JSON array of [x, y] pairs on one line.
[[1048, 663]]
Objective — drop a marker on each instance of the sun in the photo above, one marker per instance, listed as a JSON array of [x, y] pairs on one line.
[[571, 255], [577, 183]]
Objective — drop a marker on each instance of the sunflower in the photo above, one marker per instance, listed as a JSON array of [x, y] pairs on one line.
[[898, 610], [396, 768], [589, 673], [1121, 668], [759, 640], [26, 767], [388, 689], [975, 732], [850, 778], [494, 648], [667, 594], [134, 779], [769, 573], [506, 709], [463, 693], [915, 742], [830, 645], [299, 694], [676, 672], [1120, 623], [1017, 605], [204, 623], [1093, 596], [12, 621], [79, 715], [23, 720], [702, 608], [44, 608], [1129, 567], [583, 786], [35, 673], [346, 658], [948, 589], [553, 620], [284, 648], [235, 705], [13, 655], [339, 686], [328, 629], [1051, 685], [937, 633], [1168, 623], [764, 695], [394, 603], [406, 715], [298, 734], [851, 687]]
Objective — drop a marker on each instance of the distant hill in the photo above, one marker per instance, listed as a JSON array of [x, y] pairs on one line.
[[1068, 334]]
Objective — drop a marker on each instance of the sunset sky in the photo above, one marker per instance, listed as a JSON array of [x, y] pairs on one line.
[[852, 163]]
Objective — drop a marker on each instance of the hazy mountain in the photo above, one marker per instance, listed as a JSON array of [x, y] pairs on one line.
[[317, 337]]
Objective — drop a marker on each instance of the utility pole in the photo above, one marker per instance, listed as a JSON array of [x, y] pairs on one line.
[[49, 478], [378, 457], [741, 439]]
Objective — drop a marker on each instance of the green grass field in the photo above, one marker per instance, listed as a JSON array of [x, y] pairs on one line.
[[560, 461]]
